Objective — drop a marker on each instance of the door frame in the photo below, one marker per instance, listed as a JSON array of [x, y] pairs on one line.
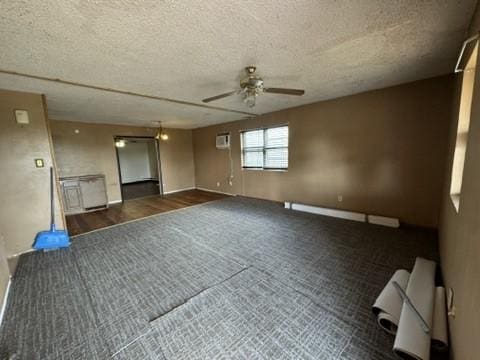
[[159, 163]]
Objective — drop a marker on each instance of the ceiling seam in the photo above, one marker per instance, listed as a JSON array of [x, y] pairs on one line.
[[124, 92]]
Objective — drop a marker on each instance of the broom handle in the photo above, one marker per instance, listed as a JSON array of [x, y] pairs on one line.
[[52, 210]]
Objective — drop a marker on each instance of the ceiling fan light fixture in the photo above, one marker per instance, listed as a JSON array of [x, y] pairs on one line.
[[250, 100], [251, 86]]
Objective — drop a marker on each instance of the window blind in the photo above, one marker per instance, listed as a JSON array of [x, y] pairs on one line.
[[265, 148]]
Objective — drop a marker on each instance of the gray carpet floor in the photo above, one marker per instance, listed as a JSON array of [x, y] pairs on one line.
[[236, 278]]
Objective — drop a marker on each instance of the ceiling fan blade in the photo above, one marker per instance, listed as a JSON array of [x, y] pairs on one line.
[[284, 91], [213, 98]]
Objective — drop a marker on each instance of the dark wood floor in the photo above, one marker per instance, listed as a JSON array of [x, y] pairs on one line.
[[136, 209], [140, 189]]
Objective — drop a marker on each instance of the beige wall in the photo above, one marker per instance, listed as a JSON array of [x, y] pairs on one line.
[[92, 151], [383, 151], [24, 189], [460, 232], [178, 170]]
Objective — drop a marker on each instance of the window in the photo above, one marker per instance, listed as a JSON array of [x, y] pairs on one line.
[[463, 128], [265, 148]]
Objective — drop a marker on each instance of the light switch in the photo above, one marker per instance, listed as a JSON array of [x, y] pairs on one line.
[[39, 163], [22, 117]]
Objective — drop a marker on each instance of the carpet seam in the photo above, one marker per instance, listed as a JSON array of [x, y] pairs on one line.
[[330, 312], [266, 272], [185, 301], [209, 248], [130, 343], [89, 295]]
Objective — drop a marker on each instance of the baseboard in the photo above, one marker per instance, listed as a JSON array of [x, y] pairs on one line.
[[384, 220], [215, 191], [342, 214], [4, 300], [179, 190], [114, 202]]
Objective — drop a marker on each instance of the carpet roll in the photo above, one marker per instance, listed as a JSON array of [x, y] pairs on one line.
[[439, 331], [388, 305], [411, 341]]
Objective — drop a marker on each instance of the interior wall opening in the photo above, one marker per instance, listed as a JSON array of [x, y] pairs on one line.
[[138, 166]]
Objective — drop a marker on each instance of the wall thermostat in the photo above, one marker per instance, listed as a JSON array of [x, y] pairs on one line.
[[21, 116]]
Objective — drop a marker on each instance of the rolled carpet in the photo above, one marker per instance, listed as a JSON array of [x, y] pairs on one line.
[[439, 331], [412, 341], [388, 305]]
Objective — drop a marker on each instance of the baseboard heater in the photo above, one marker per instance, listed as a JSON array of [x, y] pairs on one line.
[[383, 220], [343, 214]]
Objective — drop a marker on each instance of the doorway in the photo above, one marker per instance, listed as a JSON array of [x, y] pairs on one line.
[[138, 166]]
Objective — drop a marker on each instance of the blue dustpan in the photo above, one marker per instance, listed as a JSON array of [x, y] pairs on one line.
[[53, 238]]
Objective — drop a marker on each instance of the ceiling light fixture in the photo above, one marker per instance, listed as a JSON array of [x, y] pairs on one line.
[[164, 136], [161, 135], [120, 143]]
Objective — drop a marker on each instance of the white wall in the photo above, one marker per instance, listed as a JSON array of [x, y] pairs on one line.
[[135, 162], [152, 159]]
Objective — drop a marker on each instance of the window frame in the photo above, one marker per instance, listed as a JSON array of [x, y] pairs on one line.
[[264, 148], [467, 91]]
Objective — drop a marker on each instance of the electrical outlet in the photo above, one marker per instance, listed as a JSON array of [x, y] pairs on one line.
[[230, 182], [218, 183], [340, 198]]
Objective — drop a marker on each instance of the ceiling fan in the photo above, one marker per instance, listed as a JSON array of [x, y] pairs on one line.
[[251, 86]]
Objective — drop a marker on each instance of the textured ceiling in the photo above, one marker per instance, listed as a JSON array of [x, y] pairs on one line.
[[189, 50]]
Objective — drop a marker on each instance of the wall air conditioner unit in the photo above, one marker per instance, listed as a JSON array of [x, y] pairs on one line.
[[223, 141]]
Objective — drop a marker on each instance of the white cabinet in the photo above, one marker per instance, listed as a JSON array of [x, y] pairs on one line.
[[84, 193], [93, 192], [72, 197]]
